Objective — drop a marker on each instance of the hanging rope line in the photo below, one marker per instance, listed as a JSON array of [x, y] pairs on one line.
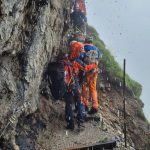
[[14, 116]]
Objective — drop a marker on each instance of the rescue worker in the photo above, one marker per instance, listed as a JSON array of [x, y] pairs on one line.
[[76, 48], [77, 36], [89, 86], [82, 6], [78, 18], [74, 92], [69, 94]]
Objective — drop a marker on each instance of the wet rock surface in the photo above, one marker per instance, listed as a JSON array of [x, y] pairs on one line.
[[31, 33]]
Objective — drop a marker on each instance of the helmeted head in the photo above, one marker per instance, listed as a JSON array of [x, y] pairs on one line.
[[75, 49], [80, 38], [88, 40], [72, 42], [77, 8]]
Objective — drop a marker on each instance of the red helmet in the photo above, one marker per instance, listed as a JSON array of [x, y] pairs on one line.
[[75, 49]]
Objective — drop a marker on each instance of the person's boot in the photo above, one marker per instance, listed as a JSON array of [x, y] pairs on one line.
[[70, 125], [93, 111], [75, 110], [86, 108]]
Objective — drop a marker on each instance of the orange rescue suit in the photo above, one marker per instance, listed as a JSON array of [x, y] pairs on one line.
[[89, 86]]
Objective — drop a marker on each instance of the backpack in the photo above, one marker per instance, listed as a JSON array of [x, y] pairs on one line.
[[92, 52], [59, 78], [92, 55]]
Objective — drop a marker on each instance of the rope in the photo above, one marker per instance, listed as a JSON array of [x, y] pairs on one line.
[[13, 118], [71, 77], [4, 129], [78, 29]]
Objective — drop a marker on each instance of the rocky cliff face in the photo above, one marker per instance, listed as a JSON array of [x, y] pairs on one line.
[[31, 32]]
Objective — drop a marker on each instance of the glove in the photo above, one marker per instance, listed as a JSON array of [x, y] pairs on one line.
[[96, 62]]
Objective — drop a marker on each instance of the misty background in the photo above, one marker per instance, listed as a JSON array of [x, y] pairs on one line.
[[124, 26]]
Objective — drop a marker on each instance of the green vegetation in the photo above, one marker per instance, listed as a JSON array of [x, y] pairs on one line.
[[141, 115], [112, 67]]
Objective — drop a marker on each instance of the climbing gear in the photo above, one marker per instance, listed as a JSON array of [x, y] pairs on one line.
[[77, 30], [88, 40], [92, 56], [91, 68], [60, 77], [92, 52], [14, 116]]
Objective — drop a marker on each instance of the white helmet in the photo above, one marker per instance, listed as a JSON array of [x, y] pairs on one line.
[[72, 42], [77, 6]]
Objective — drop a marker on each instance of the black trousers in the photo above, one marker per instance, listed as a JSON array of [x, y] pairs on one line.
[[68, 107], [71, 98]]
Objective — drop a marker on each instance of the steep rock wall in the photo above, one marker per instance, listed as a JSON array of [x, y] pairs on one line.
[[31, 32]]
